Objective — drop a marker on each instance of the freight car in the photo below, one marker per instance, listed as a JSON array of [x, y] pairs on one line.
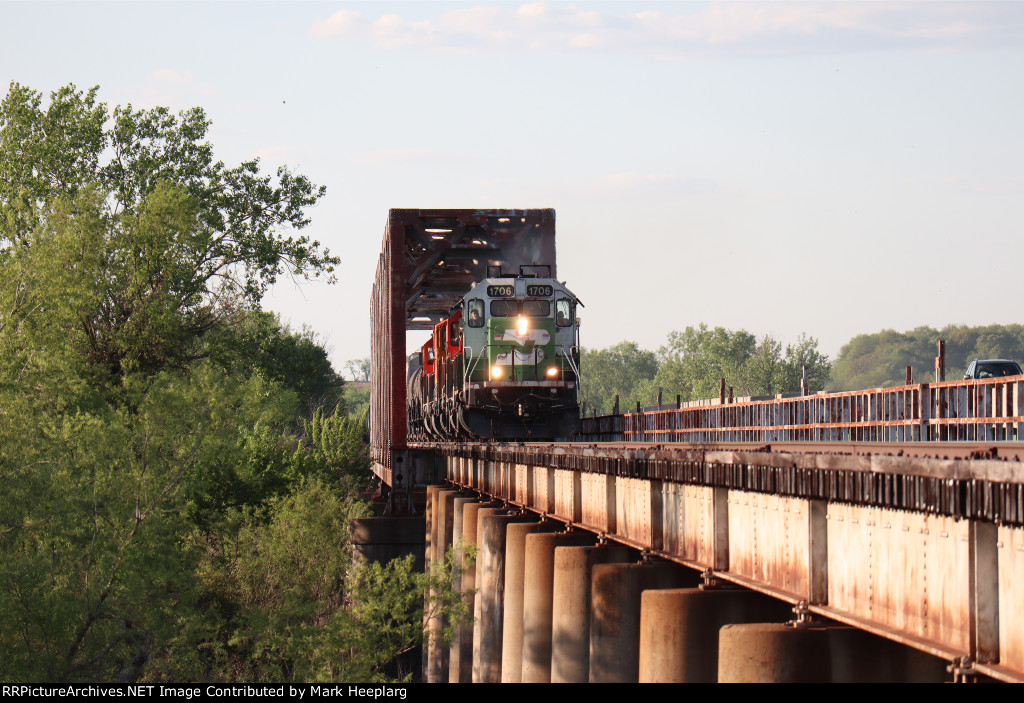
[[503, 365]]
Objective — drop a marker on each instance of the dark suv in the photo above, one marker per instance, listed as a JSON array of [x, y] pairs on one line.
[[992, 368]]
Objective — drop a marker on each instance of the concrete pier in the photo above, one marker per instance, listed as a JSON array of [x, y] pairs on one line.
[[570, 622], [515, 577], [538, 600], [773, 653], [679, 629], [615, 615], [489, 612]]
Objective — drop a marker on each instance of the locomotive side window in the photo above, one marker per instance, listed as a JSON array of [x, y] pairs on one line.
[[563, 313], [476, 313], [504, 308], [537, 308]]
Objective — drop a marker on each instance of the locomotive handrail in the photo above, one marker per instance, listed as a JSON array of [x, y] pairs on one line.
[[468, 370], [575, 370]]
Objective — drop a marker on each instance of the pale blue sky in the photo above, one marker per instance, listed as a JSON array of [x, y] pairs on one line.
[[830, 168]]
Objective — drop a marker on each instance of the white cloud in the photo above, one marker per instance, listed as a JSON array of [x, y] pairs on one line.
[[533, 9], [341, 23], [585, 41], [720, 28]]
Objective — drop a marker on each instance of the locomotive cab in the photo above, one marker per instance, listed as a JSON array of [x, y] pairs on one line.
[[506, 363]]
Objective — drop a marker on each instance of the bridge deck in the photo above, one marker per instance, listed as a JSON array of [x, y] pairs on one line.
[[919, 543]]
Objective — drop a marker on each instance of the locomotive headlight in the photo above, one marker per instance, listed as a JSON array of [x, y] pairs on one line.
[[552, 371], [522, 325], [497, 372]]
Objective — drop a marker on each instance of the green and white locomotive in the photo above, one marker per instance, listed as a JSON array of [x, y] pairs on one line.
[[504, 365]]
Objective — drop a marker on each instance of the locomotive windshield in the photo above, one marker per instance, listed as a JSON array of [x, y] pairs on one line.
[[537, 308], [504, 308], [530, 308]]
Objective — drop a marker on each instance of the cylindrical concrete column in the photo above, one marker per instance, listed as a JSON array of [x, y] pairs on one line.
[[491, 531], [461, 663], [570, 617], [441, 536], [773, 653], [455, 652], [679, 629], [537, 600], [512, 628], [431, 657], [445, 518], [615, 615]]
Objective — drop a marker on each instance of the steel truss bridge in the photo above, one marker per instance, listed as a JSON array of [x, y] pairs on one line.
[[896, 513]]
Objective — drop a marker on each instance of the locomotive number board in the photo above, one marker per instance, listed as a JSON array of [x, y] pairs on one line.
[[534, 291]]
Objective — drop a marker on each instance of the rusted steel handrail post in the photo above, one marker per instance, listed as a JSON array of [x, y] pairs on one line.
[[926, 411]]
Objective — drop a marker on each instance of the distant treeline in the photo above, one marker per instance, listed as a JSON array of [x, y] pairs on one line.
[[692, 363], [880, 359]]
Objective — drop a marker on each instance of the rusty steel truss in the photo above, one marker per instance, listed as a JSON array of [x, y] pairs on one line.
[[429, 261]]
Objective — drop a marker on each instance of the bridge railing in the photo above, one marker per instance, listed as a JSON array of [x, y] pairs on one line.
[[977, 410]]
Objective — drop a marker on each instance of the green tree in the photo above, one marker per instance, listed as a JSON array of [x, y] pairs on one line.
[[805, 353], [359, 368], [616, 370], [768, 372], [880, 358], [127, 255], [696, 359], [338, 442], [297, 360], [357, 399], [94, 505], [300, 609], [184, 237]]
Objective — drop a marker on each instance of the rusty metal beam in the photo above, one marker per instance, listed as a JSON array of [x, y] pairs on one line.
[[825, 531], [986, 489], [429, 260]]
